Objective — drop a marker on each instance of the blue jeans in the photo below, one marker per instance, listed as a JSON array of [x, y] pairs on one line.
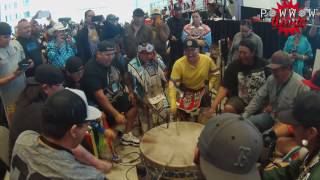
[[262, 121]]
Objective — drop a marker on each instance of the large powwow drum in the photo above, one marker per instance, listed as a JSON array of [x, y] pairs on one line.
[[168, 151]]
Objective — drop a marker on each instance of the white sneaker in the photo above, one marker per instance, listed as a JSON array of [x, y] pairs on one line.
[[130, 139]]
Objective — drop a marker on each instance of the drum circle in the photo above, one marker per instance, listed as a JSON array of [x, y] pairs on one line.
[[168, 152]]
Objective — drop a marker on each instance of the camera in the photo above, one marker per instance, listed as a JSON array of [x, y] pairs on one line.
[[97, 19], [23, 65], [99, 22]]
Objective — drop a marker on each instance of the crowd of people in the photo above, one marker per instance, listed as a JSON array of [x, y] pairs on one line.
[[54, 84]]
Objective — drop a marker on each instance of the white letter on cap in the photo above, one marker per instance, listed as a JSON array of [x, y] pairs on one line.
[[245, 152]]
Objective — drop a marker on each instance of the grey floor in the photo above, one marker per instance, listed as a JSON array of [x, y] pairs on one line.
[[120, 171]]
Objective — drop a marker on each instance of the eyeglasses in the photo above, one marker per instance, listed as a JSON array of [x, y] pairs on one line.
[[146, 47]]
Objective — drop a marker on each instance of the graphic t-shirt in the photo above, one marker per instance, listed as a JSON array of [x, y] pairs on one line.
[[244, 81], [96, 77]]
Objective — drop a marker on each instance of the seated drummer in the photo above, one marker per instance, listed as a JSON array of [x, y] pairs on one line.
[[148, 75], [277, 94], [190, 74], [242, 79], [49, 155], [104, 87], [304, 117], [242, 146], [73, 72]]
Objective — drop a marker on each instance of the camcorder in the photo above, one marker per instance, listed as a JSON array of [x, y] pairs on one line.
[[97, 19]]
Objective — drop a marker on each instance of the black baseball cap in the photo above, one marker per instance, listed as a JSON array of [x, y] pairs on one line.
[[190, 43], [242, 146], [5, 29], [138, 12], [48, 74], [305, 110], [74, 64], [106, 46]]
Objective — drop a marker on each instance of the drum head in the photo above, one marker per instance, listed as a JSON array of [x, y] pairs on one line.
[[173, 147]]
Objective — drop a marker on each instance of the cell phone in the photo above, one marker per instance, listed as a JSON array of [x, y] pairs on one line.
[[43, 14], [24, 65], [98, 18]]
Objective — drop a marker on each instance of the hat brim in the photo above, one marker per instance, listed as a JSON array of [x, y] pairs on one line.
[[274, 66], [93, 113], [209, 171], [286, 117], [60, 29], [311, 85]]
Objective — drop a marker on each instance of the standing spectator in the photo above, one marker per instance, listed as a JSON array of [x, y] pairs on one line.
[[30, 45], [136, 32], [245, 32], [299, 50], [12, 79], [164, 14], [160, 34], [61, 47], [215, 10], [35, 29], [66, 116], [198, 31], [111, 29], [87, 38], [176, 24]]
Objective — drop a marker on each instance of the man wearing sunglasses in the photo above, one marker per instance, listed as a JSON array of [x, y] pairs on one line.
[[190, 74], [148, 75]]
